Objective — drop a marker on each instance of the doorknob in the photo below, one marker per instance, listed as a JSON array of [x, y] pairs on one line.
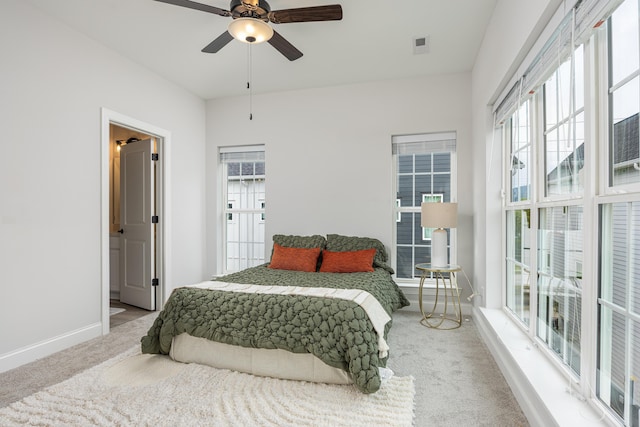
[[121, 231]]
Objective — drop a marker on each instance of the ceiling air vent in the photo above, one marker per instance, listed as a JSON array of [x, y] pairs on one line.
[[420, 45]]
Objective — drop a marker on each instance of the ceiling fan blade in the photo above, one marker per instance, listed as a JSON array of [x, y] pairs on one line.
[[218, 43], [284, 47], [307, 14], [198, 6]]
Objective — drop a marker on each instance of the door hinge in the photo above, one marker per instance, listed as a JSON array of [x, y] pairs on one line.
[[154, 157], [155, 282], [154, 219]]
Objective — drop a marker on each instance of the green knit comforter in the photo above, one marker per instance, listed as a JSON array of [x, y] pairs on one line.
[[336, 331]]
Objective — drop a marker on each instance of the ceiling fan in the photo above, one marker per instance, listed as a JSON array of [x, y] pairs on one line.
[[250, 22]]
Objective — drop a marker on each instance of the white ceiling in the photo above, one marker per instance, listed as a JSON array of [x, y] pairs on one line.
[[373, 41]]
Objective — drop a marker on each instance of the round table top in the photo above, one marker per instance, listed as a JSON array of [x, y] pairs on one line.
[[437, 268]]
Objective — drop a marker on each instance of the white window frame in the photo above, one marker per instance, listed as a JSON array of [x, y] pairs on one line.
[[432, 139], [225, 210], [607, 193]]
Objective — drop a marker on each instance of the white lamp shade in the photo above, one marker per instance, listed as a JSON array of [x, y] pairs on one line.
[[250, 30], [439, 215]]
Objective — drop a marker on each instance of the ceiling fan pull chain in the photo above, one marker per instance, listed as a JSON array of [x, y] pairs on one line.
[[249, 82]]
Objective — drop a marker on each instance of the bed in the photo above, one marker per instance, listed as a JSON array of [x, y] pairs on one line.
[[320, 310]]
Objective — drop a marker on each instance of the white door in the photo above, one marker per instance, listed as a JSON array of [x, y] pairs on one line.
[[137, 246]]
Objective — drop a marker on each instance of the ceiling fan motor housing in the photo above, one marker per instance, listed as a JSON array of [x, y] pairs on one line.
[[258, 9]]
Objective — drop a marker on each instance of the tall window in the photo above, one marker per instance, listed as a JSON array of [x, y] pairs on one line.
[[572, 223], [424, 172], [243, 187], [618, 365]]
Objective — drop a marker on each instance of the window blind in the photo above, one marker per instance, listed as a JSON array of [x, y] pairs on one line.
[[244, 153], [424, 143], [589, 15]]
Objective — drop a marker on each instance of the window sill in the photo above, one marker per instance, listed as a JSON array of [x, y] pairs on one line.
[[539, 387]]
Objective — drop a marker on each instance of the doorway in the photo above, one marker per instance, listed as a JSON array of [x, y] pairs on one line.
[[117, 132]]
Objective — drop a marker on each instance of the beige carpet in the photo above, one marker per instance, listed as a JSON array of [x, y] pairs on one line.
[[457, 382], [136, 390]]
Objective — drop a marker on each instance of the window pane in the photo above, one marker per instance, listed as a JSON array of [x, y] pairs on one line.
[[423, 163], [625, 145], [518, 263], [405, 190], [405, 264], [442, 162], [404, 229], [405, 164], [520, 140], [442, 185], [245, 241], [624, 41], [423, 186], [612, 360], [624, 158], [564, 128], [619, 337], [560, 260]]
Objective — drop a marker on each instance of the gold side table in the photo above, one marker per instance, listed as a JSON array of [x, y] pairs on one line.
[[451, 293]]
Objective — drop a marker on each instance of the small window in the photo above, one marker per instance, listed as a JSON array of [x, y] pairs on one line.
[[424, 167], [243, 187]]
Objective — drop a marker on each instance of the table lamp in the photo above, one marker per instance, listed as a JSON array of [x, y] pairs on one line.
[[439, 216]]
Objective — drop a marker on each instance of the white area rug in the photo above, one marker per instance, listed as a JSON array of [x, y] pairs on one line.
[[114, 310], [139, 390]]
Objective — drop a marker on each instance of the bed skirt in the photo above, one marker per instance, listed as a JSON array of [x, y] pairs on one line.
[[257, 361]]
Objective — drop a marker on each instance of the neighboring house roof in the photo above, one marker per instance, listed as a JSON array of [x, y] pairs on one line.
[[626, 144], [573, 160], [626, 148]]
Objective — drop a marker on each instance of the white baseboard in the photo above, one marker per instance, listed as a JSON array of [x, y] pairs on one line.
[[47, 347], [538, 386]]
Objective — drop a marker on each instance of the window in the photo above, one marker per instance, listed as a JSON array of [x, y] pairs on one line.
[[555, 273], [618, 360], [572, 211], [243, 189], [424, 168]]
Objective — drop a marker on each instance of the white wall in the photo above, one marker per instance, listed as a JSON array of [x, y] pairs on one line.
[[328, 153], [53, 84], [514, 28]]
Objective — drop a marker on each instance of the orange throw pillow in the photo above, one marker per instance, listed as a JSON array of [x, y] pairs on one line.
[[347, 262], [298, 259]]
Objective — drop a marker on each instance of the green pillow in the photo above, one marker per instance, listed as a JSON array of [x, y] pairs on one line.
[[307, 242], [339, 243]]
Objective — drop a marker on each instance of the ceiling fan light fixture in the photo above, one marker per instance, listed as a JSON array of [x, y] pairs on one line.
[[250, 30]]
